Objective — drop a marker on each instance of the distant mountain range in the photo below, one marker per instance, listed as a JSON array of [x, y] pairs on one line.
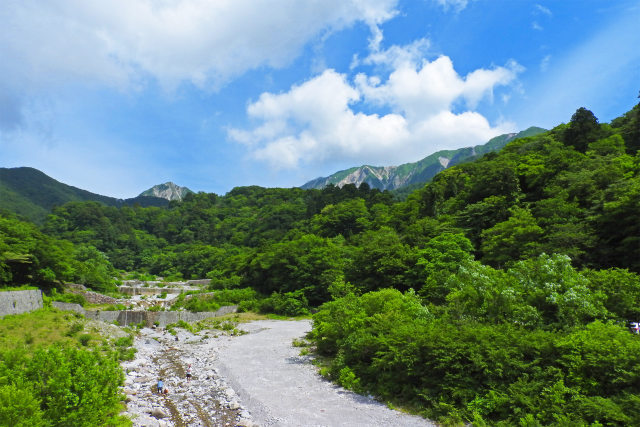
[[395, 177], [32, 194], [168, 190]]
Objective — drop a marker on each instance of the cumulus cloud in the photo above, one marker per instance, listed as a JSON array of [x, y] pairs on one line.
[[319, 119], [120, 43]]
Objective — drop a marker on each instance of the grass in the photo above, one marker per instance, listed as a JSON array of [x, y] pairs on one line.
[[19, 288], [45, 327], [280, 317], [41, 328]]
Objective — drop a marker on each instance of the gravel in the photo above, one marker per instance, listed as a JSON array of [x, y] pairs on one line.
[[257, 379], [281, 388]]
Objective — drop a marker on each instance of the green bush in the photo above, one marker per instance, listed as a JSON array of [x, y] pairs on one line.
[[19, 407], [68, 297], [74, 386], [84, 339], [456, 369], [244, 297], [74, 329], [287, 304]]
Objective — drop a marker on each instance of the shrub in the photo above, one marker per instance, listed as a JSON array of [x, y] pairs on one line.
[[75, 386], [19, 407], [472, 371], [68, 297], [84, 339], [287, 304]]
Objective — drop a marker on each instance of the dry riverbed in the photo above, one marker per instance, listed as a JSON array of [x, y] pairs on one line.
[[256, 379]]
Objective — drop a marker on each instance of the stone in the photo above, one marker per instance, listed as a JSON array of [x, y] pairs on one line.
[[158, 413]]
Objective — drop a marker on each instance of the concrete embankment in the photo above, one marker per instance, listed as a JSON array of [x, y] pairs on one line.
[[16, 302], [148, 318]]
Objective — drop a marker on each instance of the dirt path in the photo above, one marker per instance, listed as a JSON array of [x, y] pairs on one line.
[[281, 388], [257, 379]]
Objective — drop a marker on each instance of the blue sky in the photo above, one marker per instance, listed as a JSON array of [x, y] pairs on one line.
[[117, 96]]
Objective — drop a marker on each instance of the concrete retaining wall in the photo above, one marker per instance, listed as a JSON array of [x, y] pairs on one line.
[[199, 282], [16, 302], [129, 317], [139, 290], [67, 306]]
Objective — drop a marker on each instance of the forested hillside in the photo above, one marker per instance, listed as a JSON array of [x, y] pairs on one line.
[[32, 194], [498, 293]]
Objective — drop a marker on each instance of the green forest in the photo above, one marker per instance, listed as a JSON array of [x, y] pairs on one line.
[[499, 293]]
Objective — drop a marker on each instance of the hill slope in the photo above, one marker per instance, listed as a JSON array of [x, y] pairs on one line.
[[32, 194], [395, 177]]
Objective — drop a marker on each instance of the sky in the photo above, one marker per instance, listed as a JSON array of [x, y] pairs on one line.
[[117, 96]]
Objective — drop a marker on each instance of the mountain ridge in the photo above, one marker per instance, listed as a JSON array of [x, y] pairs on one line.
[[31, 193], [396, 177]]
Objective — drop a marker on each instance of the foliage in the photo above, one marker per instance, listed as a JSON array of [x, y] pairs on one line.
[[75, 386], [68, 297], [286, 304], [28, 256], [525, 265], [482, 367], [245, 297], [19, 407]]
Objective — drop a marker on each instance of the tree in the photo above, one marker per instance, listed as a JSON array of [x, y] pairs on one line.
[[441, 258], [345, 218], [511, 240], [381, 260], [309, 263], [583, 129]]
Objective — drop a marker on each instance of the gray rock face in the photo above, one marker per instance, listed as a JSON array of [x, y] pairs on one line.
[[168, 190]]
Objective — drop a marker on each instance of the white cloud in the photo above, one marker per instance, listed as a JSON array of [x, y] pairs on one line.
[[318, 120], [543, 10], [544, 64], [120, 42], [456, 5], [397, 55], [423, 90]]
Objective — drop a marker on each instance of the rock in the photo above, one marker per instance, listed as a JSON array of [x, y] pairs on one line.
[[158, 413]]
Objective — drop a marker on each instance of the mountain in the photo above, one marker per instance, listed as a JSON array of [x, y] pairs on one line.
[[395, 177], [168, 190], [32, 194]]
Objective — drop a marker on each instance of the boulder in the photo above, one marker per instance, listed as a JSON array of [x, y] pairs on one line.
[[158, 413]]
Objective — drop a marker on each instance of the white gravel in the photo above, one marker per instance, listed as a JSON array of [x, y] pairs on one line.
[[281, 388], [257, 379]]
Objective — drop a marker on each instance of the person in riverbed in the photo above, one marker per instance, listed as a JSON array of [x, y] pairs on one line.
[[189, 372], [160, 386]]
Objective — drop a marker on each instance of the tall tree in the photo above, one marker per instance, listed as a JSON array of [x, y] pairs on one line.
[[583, 129]]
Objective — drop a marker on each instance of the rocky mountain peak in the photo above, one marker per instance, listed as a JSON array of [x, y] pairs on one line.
[[168, 190]]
